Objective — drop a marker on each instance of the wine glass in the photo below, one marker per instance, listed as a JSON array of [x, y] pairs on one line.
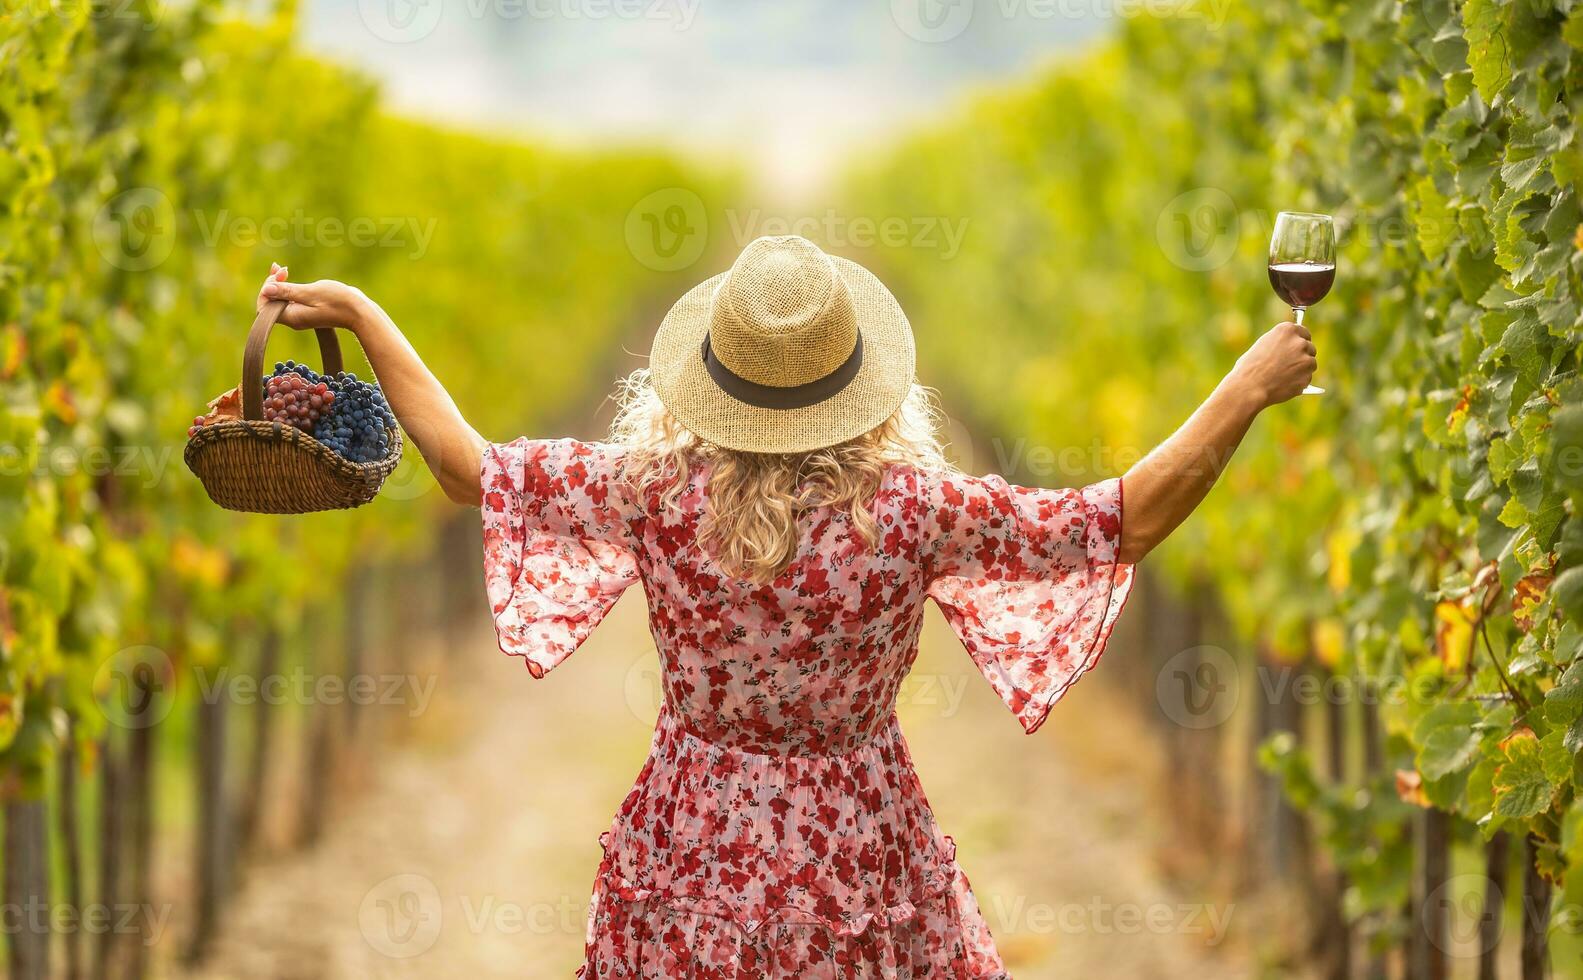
[[1302, 262]]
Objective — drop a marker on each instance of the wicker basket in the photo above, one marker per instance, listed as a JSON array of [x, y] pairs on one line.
[[261, 467]]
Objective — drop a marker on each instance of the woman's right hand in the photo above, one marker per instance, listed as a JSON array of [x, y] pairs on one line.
[[449, 446], [1278, 365], [314, 305]]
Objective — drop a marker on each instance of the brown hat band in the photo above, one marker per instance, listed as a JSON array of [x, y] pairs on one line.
[[794, 396]]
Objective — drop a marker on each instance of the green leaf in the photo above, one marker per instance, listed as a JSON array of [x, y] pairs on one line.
[[1484, 23], [1522, 342], [1572, 30], [1435, 223], [1568, 590], [1564, 702], [1522, 789], [1446, 737], [1556, 758]]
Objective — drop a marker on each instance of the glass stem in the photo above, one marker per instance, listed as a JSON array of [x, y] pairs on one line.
[[1297, 311]]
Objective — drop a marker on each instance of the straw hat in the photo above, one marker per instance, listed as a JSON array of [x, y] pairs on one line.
[[788, 351]]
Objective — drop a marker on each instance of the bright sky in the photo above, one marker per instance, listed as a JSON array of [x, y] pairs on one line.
[[791, 87]]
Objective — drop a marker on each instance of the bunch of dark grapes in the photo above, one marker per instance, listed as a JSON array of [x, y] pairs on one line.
[[296, 396], [346, 414], [359, 426]]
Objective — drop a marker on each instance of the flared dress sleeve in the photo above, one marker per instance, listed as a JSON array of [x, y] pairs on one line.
[[557, 544], [1028, 578]]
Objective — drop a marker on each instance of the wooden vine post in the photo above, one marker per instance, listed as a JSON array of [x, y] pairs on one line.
[[1432, 924], [27, 888], [1335, 932], [250, 811], [71, 850], [112, 795], [1537, 893], [1496, 859], [141, 762], [214, 823]]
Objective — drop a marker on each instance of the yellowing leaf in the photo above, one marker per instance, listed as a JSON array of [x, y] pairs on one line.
[[1523, 734], [1453, 635], [1329, 641], [191, 560], [13, 348], [58, 401], [1522, 788], [1338, 548], [1527, 594], [1459, 414], [226, 406], [1410, 788]]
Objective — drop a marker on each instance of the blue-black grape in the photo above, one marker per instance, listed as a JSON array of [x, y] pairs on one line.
[[351, 417], [359, 422]]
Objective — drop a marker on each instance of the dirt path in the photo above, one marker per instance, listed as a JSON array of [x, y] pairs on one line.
[[471, 851]]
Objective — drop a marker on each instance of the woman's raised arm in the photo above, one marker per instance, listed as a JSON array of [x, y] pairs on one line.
[[424, 408], [1166, 485]]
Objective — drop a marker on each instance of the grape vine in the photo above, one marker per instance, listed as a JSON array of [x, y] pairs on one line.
[[1416, 531], [138, 186]]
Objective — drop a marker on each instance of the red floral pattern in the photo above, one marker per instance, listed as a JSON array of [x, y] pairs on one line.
[[778, 828]]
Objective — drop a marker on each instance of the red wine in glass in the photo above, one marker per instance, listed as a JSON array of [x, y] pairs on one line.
[[1301, 284], [1302, 262]]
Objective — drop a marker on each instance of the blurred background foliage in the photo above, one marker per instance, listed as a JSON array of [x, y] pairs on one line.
[[141, 166]]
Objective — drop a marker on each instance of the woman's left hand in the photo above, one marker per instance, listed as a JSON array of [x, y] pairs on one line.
[[314, 305]]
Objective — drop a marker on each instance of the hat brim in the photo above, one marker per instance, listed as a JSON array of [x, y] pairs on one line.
[[683, 383]]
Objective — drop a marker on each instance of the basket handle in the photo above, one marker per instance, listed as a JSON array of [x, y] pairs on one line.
[[253, 358]]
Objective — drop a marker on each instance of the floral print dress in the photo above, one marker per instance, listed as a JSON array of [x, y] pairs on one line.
[[778, 828]]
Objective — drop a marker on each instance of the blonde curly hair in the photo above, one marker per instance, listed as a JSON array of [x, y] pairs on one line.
[[755, 499]]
